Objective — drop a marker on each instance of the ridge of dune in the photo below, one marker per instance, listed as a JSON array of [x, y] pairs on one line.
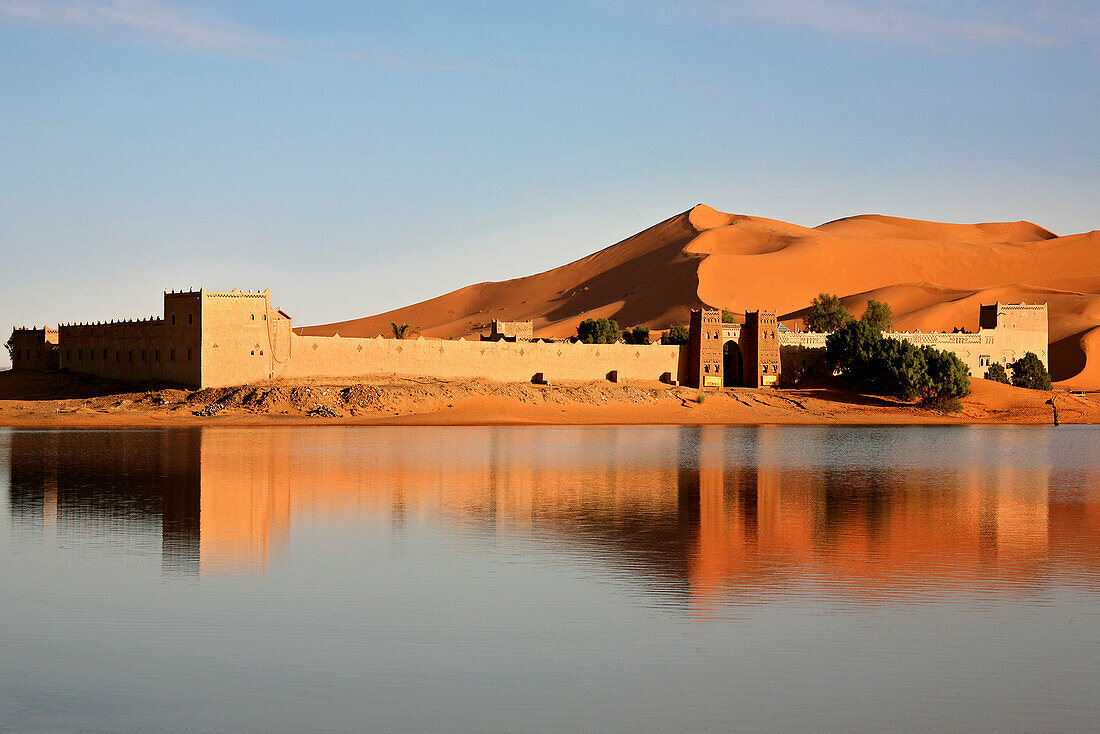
[[880, 225], [933, 274]]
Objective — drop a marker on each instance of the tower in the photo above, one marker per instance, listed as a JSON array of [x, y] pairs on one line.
[[705, 348], [760, 349]]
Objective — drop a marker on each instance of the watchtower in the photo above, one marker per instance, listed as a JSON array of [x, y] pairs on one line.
[[760, 349], [705, 348]]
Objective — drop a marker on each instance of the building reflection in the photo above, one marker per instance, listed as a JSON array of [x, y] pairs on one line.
[[700, 513]]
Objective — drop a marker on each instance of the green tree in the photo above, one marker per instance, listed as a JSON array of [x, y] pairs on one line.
[[901, 370], [1028, 371], [827, 313], [400, 331], [638, 335], [851, 349], [728, 317], [996, 373], [947, 375], [676, 335], [860, 352], [599, 331], [878, 315]]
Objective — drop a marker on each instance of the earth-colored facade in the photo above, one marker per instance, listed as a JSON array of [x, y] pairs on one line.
[[220, 339]]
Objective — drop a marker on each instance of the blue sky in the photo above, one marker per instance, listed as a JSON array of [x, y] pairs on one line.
[[359, 156]]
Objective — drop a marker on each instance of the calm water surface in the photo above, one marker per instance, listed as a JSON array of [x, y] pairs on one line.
[[550, 579]]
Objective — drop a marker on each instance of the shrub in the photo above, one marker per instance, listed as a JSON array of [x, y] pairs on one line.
[[676, 335], [700, 397], [400, 331], [878, 315], [942, 405], [599, 331], [827, 313], [893, 367], [638, 335], [996, 373], [1028, 371]]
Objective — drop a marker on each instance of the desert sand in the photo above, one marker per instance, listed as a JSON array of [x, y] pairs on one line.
[[60, 401], [933, 275]]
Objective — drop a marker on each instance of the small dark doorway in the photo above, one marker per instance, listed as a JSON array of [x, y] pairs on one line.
[[731, 365]]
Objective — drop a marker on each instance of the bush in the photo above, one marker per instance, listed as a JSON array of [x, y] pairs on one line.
[[700, 397], [892, 367], [942, 405], [948, 375], [599, 331], [827, 313], [878, 315], [676, 335], [1028, 371], [996, 373], [637, 335], [728, 317]]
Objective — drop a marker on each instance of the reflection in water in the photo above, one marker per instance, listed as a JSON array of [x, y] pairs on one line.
[[699, 513]]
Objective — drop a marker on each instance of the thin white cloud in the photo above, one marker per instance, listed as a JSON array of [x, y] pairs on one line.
[[460, 65], [930, 23], [152, 20]]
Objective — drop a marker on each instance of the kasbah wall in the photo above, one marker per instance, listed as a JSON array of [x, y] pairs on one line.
[[221, 339]]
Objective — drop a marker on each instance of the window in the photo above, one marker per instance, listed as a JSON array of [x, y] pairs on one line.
[[104, 355], [173, 319], [190, 319], [130, 356], [68, 355], [118, 355], [142, 355], [261, 352], [253, 352], [983, 361], [253, 317], [188, 355], [156, 355], [265, 317], [171, 355]]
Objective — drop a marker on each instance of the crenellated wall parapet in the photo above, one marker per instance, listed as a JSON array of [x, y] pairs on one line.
[[223, 338]]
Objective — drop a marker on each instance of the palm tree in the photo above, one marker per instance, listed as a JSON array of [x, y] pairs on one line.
[[399, 331]]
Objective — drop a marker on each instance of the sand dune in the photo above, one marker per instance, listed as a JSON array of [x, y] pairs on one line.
[[934, 275]]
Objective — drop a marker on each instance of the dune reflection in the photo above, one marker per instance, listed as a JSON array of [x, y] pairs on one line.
[[699, 513]]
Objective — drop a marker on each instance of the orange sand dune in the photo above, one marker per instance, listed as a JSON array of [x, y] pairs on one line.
[[933, 274]]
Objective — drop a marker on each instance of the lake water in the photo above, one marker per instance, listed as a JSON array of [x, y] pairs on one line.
[[874, 579]]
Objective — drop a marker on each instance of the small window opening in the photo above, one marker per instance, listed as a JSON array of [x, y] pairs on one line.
[[173, 319], [190, 318]]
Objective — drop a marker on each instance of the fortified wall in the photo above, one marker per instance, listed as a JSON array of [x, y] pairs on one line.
[[220, 339], [34, 349], [1006, 332]]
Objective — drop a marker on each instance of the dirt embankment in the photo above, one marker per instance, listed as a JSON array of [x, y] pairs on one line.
[[70, 401]]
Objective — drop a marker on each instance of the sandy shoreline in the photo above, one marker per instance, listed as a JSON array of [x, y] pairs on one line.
[[55, 401]]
